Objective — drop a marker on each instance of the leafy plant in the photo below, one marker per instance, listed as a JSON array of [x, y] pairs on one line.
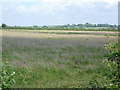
[[113, 62], [93, 82], [7, 76]]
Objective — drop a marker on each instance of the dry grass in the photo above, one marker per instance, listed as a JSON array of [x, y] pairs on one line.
[[104, 32], [44, 35]]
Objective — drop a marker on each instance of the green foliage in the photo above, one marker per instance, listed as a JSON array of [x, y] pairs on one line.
[[62, 28], [118, 27], [7, 76], [114, 49], [76, 27], [4, 25], [113, 61], [93, 82]]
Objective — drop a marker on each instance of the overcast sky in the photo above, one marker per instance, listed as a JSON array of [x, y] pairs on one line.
[[57, 12]]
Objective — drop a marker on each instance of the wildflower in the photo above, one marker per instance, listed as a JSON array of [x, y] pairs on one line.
[[111, 84], [13, 72]]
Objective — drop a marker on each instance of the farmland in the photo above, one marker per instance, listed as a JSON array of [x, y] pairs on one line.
[[57, 59]]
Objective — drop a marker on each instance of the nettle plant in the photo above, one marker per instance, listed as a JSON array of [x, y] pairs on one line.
[[6, 76], [113, 62]]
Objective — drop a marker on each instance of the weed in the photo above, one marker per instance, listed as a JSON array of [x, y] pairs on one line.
[[7, 76]]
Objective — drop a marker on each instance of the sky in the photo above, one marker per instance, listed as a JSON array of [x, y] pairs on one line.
[[119, 13], [58, 12]]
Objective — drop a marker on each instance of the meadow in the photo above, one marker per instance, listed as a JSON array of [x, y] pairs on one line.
[[57, 59]]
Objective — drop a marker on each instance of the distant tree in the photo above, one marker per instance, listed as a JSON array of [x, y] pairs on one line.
[[68, 24], [106, 25], [45, 26], [118, 27], [99, 25], [111, 25], [89, 25], [81, 25], [73, 24], [95, 25], [35, 26], [4, 25], [115, 25]]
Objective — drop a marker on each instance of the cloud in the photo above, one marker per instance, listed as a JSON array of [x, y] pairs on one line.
[[53, 6], [79, 2], [0, 14], [109, 1], [58, 11]]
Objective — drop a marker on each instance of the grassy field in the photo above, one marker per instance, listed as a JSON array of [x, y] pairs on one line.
[[56, 60]]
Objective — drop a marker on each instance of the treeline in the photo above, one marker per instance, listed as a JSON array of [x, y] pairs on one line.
[[86, 25], [118, 27], [65, 27]]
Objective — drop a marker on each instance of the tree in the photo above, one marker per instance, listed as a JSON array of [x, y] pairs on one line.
[[4, 25], [35, 26], [118, 27], [89, 25], [95, 25]]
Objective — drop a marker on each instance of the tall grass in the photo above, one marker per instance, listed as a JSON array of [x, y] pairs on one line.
[[56, 63]]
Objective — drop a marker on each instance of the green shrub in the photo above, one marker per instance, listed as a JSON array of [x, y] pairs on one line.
[[113, 62], [6, 76]]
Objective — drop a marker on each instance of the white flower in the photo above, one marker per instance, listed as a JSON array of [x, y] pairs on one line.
[[111, 84], [13, 72]]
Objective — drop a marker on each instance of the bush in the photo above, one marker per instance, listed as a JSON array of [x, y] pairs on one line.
[[6, 76], [113, 62]]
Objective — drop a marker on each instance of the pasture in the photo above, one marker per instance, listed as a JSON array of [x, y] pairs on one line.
[[57, 59]]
